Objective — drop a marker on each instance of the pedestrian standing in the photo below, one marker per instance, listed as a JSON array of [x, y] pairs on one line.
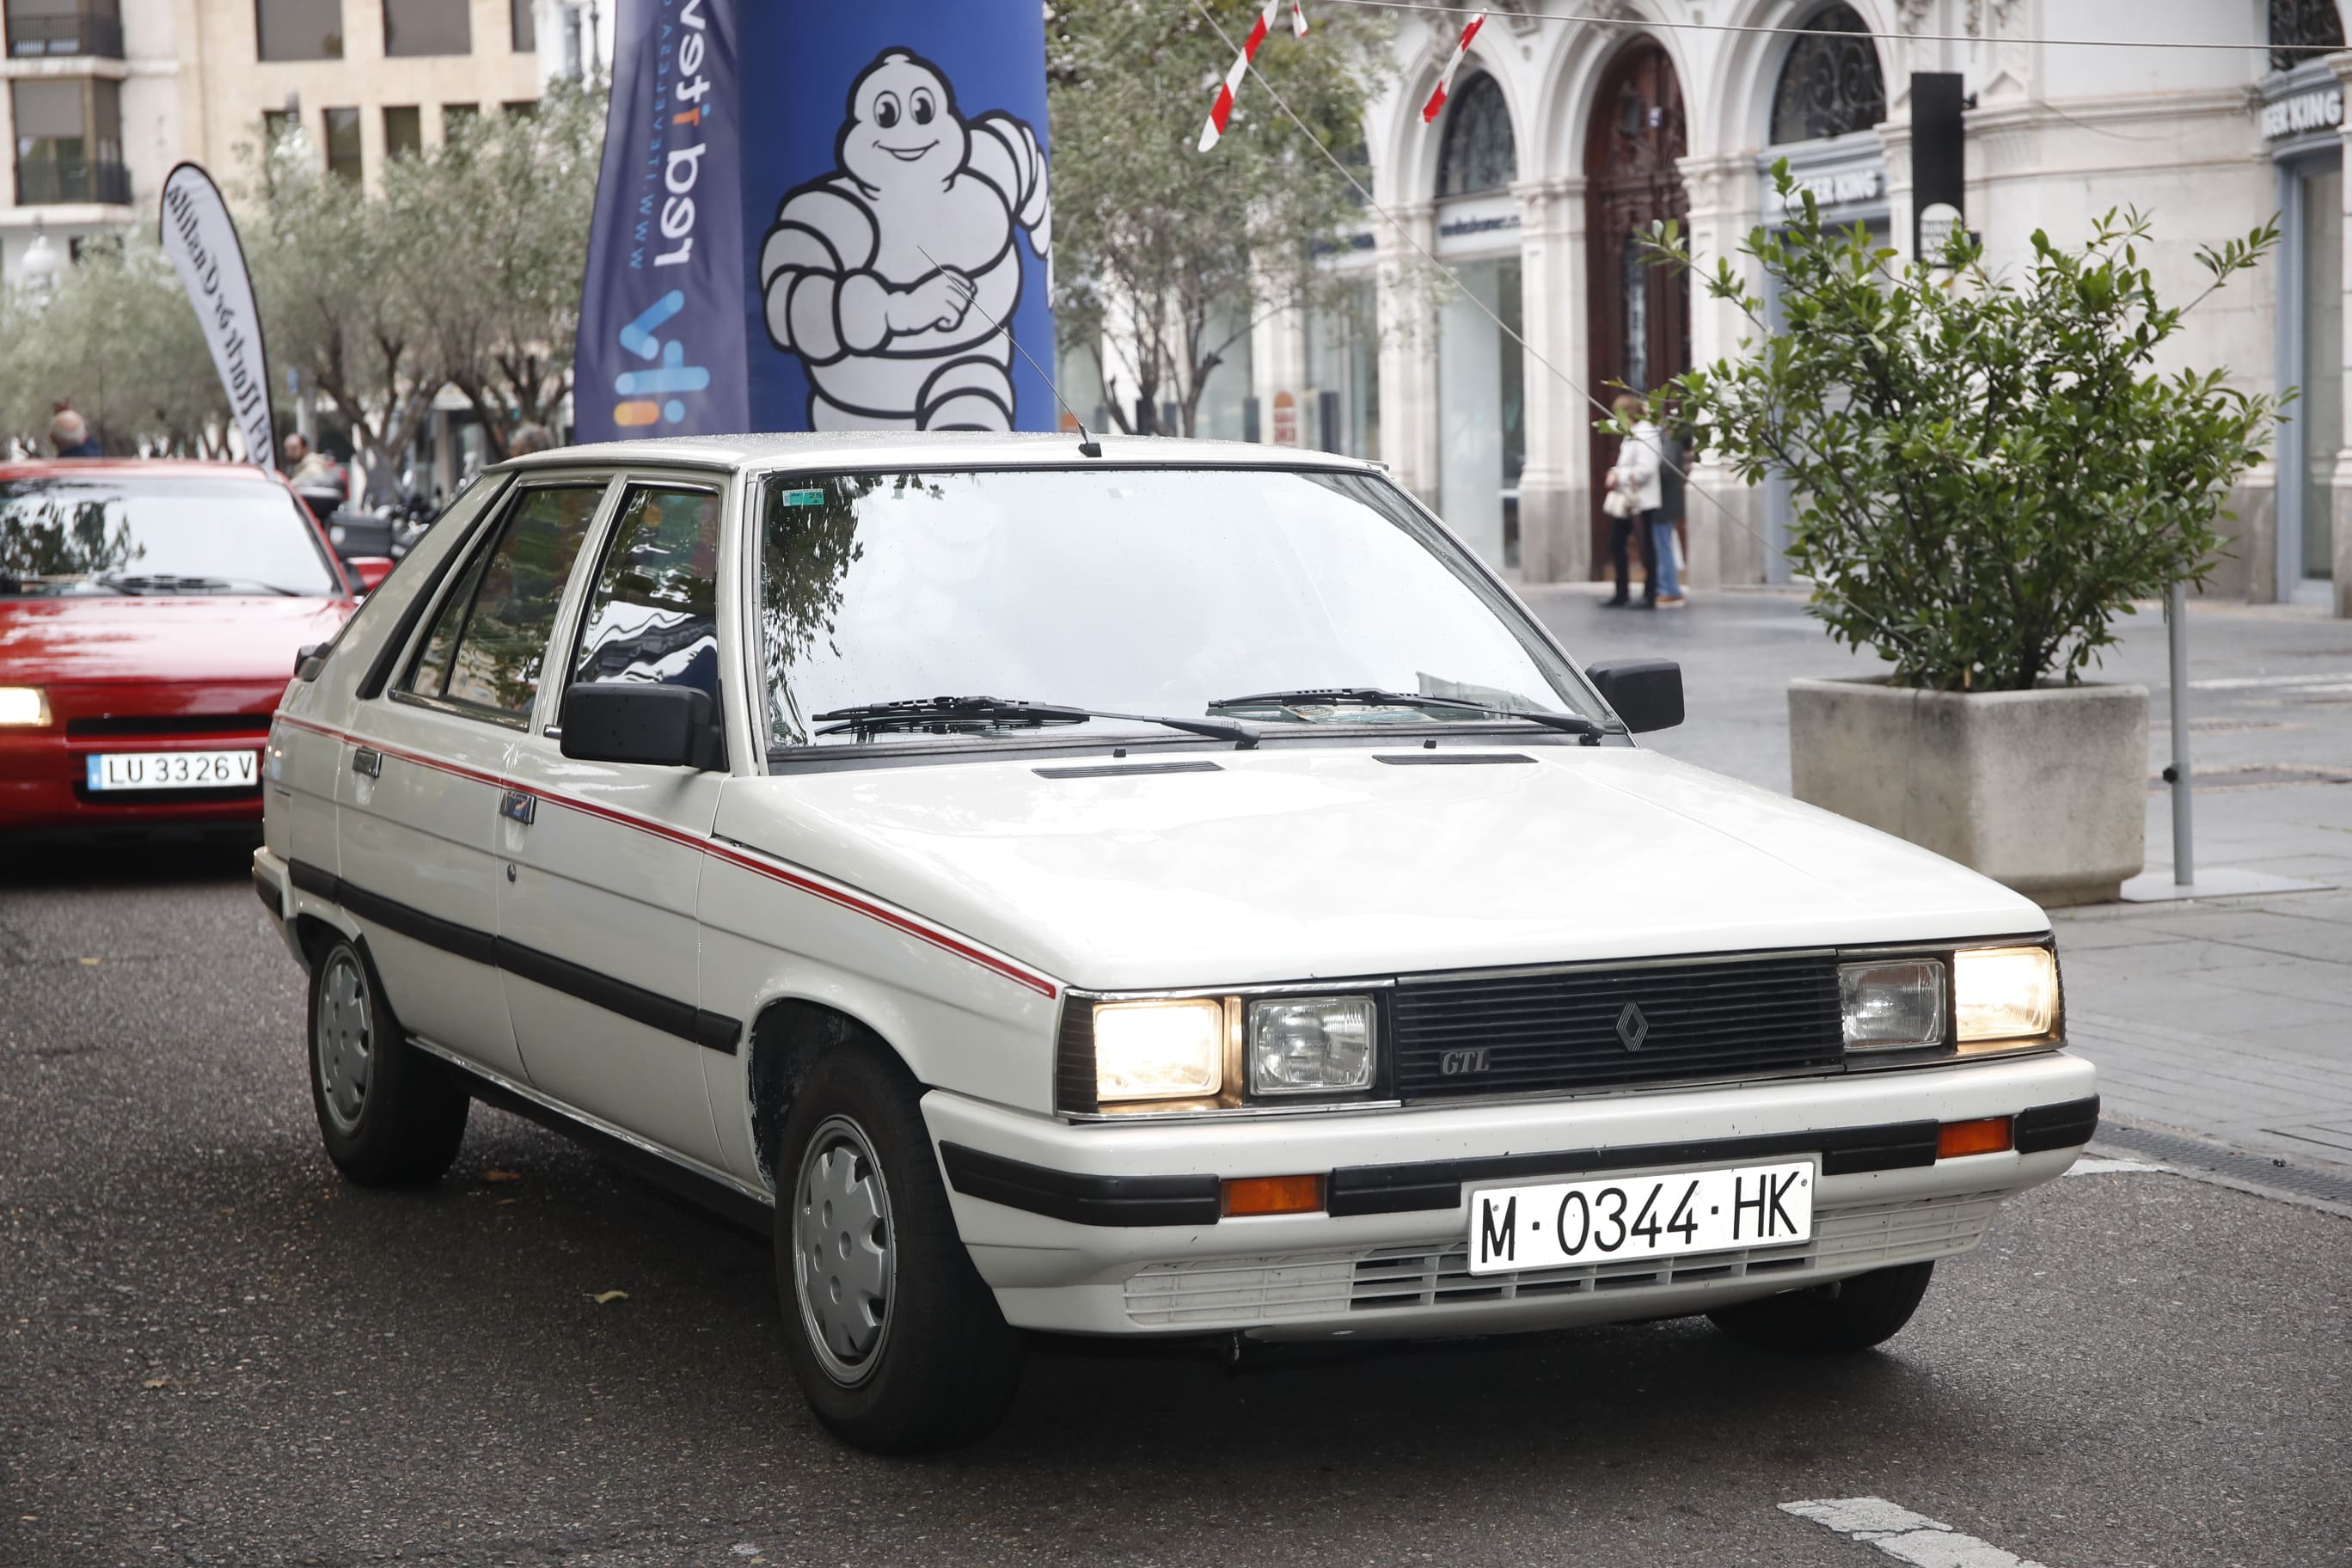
[[70, 436], [1673, 492], [1633, 480]]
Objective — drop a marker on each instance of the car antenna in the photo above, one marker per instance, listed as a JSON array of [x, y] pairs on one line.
[[1087, 446]]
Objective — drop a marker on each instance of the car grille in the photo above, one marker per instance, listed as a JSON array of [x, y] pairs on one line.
[[1606, 1028], [1243, 1290]]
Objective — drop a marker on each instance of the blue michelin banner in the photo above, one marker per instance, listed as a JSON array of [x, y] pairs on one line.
[[837, 251]]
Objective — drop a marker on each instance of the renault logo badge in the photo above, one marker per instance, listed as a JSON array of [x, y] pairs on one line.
[[1631, 1027]]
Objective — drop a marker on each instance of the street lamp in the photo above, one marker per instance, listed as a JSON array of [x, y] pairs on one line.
[[42, 265]]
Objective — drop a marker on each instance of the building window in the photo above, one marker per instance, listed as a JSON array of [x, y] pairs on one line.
[[524, 108], [343, 142], [39, 27], [1479, 152], [523, 16], [298, 30], [277, 124], [427, 27], [68, 142], [2302, 30], [458, 118], [1830, 84], [404, 130]]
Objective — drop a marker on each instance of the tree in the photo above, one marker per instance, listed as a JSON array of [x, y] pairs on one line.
[[116, 337], [1987, 470], [507, 200], [345, 282], [1169, 254]]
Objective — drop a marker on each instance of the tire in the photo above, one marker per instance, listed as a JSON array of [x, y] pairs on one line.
[[895, 1340], [1843, 1316], [390, 1115]]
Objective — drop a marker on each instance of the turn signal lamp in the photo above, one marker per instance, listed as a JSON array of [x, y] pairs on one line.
[[1989, 1136], [1272, 1195], [24, 707], [2004, 993], [1172, 1049]]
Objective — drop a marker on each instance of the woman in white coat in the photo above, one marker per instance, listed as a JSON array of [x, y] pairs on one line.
[[1637, 476]]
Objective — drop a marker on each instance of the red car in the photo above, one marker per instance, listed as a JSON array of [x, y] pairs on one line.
[[151, 615]]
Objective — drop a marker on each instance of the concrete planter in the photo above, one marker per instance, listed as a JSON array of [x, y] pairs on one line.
[[2045, 791]]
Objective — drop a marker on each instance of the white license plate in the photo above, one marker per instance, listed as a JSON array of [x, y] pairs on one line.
[[175, 770], [1598, 1221]]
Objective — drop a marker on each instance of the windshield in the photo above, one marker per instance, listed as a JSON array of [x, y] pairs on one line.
[[120, 532], [1161, 592]]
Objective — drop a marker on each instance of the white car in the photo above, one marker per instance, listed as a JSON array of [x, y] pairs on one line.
[[1171, 891]]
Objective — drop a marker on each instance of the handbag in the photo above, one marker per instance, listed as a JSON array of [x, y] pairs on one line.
[[1618, 503]]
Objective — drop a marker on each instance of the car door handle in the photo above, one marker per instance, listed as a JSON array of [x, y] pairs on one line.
[[517, 806], [369, 761]]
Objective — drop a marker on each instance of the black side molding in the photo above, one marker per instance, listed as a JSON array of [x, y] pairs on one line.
[[1437, 1183], [712, 1031], [267, 892], [1081, 1200], [2066, 1125]]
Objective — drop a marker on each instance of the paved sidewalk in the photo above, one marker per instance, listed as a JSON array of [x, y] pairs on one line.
[[2230, 1018]]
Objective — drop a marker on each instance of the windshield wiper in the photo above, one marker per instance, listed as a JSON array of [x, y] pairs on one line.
[[1373, 697], [923, 712], [172, 583]]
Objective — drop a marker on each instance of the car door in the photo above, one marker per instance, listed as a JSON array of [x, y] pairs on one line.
[[419, 794], [596, 912]]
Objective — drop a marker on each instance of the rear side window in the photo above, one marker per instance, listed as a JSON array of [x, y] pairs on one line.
[[488, 643], [654, 615]]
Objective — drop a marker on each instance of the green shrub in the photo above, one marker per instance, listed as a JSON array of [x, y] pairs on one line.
[[1987, 470]]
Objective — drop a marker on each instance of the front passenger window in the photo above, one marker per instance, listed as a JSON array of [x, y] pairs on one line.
[[490, 642]]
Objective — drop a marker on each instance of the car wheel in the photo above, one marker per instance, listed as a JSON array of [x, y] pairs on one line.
[[1843, 1315], [895, 1340], [390, 1115]]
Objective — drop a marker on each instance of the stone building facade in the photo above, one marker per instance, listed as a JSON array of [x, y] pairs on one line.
[[1564, 136]]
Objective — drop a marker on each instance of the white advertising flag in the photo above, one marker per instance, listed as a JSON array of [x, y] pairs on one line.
[[202, 242]]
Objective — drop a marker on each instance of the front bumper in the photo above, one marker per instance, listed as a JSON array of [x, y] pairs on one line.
[[1109, 1229], [42, 770]]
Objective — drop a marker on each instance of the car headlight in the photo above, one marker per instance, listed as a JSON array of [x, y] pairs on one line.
[[1890, 1005], [2004, 993], [1310, 1044], [25, 706], [1172, 1049]]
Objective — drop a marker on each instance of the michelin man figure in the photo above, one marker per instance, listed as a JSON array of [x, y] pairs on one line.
[[885, 276]]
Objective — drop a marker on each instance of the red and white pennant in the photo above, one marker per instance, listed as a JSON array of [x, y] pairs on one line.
[[1445, 83], [1223, 109]]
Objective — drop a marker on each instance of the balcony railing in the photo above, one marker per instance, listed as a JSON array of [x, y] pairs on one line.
[[52, 182], [84, 32]]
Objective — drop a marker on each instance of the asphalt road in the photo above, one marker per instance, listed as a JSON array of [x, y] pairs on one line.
[[212, 1352]]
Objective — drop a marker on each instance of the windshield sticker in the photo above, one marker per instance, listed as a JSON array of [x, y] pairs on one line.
[[804, 497]]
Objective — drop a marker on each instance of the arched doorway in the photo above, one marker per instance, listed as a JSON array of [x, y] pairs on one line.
[[1639, 314]]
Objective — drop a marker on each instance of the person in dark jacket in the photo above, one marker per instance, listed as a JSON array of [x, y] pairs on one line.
[[69, 435]]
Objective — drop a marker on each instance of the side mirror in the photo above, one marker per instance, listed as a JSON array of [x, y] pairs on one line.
[[309, 660], [667, 726], [371, 570], [1647, 693]]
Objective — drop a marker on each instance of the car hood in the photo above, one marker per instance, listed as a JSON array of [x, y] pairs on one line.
[[160, 637], [1295, 864]]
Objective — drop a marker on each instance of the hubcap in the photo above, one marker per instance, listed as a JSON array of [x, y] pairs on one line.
[[346, 1038], [844, 1260]]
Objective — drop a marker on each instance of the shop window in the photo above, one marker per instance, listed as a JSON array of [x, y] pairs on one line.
[[404, 130], [1479, 152], [2302, 30], [69, 140], [1830, 84], [343, 144], [427, 27], [298, 30]]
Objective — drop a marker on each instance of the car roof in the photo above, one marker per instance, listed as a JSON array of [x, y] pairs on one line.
[[166, 468], [931, 449]]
